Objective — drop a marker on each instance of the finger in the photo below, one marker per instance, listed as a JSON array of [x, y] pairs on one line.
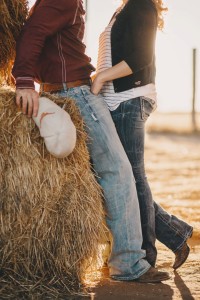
[[18, 100], [24, 105], [30, 106], [93, 92]]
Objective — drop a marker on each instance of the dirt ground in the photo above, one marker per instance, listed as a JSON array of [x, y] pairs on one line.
[[173, 169]]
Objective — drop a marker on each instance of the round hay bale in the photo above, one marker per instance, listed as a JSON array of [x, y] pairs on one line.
[[51, 212], [12, 17]]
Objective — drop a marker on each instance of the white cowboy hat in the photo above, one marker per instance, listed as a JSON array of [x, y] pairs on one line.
[[56, 127]]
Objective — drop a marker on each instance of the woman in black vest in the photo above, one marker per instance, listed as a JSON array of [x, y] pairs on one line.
[[126, 78]]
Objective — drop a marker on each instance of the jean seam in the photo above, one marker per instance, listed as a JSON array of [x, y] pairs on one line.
[[142, 108], [129, 278], [151, 102], [172, 227], [185, 239], [142, 101]]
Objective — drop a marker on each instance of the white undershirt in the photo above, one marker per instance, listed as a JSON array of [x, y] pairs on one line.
[[113, 99]]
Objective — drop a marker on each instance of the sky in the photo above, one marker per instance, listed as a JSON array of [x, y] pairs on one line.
[[173, 49]]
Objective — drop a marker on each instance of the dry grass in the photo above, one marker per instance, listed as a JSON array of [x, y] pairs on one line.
[[12, 16], [51, 213], [180, 123]]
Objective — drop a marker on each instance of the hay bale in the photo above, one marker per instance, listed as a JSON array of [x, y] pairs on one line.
[[12, 16], [51, 213]]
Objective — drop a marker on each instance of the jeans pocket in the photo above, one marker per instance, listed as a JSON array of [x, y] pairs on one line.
[[88, 99], [147, 107], [81, 97]]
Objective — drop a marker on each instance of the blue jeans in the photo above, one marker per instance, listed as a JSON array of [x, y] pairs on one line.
[[115, 176], [129, 119]]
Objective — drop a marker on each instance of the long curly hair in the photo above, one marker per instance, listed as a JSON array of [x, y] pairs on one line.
[[160, 10]]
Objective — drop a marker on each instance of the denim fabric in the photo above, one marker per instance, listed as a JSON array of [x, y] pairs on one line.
[[129, 119], [115, 176]]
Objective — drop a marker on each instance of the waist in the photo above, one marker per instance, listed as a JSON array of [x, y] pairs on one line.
[[56, 87], [114, 99]]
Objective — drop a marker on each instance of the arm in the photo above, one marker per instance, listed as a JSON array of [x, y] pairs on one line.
[[120, 70], [49, 17]]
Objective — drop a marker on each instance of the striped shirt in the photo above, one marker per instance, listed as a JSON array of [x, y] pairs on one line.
[[113, 99]]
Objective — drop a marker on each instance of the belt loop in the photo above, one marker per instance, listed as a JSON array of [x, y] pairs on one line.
[[64, 86]]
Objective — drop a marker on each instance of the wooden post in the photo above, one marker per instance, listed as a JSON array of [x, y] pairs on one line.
[[194, 124]]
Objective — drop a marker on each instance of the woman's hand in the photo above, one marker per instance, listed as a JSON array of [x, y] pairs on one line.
[[122, 69], [97, 83]]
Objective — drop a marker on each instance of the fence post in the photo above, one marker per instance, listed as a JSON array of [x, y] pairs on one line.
[[194, 124]]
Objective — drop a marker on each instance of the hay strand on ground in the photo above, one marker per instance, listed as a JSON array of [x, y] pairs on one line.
[[51, 213]]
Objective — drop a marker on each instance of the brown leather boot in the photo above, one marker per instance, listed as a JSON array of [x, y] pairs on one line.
[[180, 256], [153, 276]]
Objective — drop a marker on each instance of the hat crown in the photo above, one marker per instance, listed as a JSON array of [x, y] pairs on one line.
[[56, 127]]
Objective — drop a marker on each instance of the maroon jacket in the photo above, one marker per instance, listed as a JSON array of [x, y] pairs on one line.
[[50, 47]]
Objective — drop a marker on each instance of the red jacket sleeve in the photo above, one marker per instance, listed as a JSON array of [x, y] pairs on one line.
[[49, 18]]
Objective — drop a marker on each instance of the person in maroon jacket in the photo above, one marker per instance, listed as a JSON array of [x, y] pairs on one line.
[[50, 51]]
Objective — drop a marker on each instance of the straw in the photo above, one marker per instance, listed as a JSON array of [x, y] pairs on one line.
[[51, 211]]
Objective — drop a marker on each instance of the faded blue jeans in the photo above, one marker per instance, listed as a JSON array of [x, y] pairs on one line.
[[129, 119], [116, 179]]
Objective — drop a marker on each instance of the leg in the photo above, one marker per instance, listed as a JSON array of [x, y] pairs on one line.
[[129, 122], [115, 176], [169, 230]]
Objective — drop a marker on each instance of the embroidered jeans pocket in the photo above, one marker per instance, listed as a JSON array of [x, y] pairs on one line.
[[147, 107]]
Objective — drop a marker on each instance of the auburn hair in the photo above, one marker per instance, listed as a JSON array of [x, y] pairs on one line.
[[160, 10]]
